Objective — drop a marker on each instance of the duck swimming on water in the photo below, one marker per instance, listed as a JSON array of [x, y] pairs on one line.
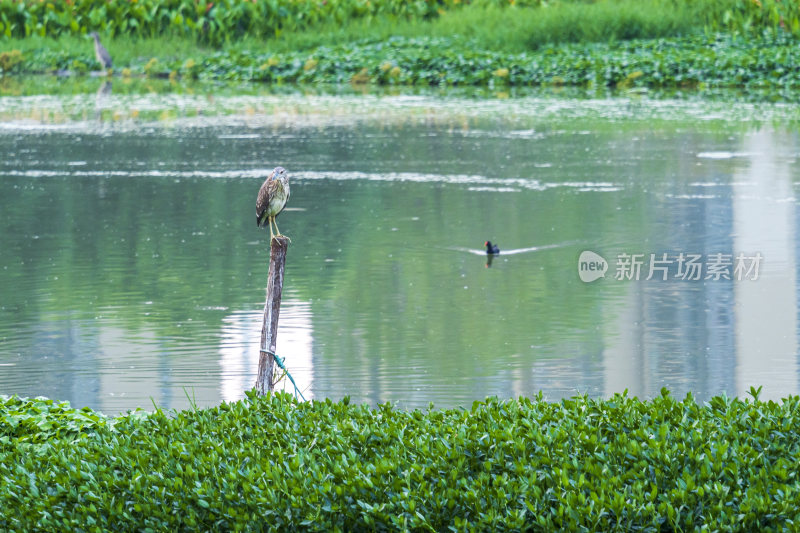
[[491, 249]]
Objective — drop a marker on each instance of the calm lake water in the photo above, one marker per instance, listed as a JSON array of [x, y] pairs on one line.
[[132, 271]]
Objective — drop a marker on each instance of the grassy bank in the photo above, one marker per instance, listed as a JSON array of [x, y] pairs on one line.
[[520, 22], [654, 43], [270, 463]]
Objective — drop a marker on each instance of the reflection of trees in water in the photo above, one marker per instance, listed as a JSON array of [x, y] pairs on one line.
[[62, 364], [239, 348], [102, 99], [396, 313]]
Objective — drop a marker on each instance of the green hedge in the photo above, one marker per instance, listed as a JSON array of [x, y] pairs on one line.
[[270, 463]]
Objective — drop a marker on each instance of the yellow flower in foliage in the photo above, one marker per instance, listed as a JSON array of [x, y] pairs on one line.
[[360, 77], [126, 73], [629, 79], [385, 66], [189, 64], [9, 59], [271, 62], [151, 66], [395, 72], [310, 64], [501, 73]]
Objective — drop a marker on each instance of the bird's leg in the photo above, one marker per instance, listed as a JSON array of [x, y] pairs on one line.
[[279, 231], [271, 234]]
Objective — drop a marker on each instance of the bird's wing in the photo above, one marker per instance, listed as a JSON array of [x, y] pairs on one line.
[[288, 194], [264, 196]]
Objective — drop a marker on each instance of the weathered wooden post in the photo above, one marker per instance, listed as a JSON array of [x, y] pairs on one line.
[[272, 308]]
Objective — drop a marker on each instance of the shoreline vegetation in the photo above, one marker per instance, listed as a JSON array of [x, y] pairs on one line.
[[272, 463], [622, 44]]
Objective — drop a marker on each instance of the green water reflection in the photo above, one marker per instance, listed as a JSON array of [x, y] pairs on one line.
[[132, 268]]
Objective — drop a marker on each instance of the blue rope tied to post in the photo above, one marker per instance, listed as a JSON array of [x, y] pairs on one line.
[[280, 360]]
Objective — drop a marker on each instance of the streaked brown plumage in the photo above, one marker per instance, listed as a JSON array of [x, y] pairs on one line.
[[272, 198]]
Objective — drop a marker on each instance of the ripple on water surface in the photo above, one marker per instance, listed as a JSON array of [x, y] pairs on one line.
[[132, 270]]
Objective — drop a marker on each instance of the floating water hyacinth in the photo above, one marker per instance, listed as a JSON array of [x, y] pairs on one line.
[[579, 464]]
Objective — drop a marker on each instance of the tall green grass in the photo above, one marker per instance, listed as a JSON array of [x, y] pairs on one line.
[[124, 50], [480, 26], [517, 29], [611, 20]]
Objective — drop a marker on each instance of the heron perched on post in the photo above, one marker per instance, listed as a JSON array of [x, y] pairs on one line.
[[272, 198], [103, 57]]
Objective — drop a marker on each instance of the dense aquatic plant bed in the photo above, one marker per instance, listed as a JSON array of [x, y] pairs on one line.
[[716, 61], [270, 463], [712, 61]]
